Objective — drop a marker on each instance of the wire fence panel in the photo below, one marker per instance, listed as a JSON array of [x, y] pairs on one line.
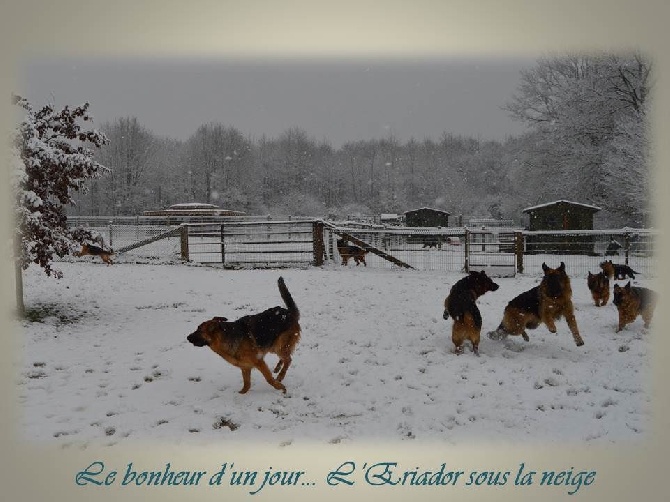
[[261, 243], [583, 252], [422, 249], [253, 244], [118, 237]]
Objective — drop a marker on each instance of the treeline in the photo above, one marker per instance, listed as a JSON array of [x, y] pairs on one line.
[[587, 141]]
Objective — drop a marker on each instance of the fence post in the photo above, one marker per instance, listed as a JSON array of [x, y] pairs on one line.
[[518, 251], [184, 242], [466, 265], [626, 246], [111, 240], [223, 246], [317, 239]]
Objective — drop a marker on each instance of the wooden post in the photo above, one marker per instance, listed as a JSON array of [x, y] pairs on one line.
[[223, 245], [626, 246], [518, 251], [466, 265], [184, 243], [318, 244]]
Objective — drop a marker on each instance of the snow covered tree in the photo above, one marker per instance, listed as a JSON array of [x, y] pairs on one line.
[[50, 162], [590, 115]]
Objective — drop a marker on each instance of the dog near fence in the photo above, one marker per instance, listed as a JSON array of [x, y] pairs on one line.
[[313, 242]]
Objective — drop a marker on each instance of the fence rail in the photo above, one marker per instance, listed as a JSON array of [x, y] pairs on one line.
[[238, 242]]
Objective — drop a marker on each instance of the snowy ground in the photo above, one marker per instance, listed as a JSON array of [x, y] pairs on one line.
[[107, 361]]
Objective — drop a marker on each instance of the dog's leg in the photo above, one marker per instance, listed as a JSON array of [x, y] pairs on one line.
[[474, 338], [621, 325], [246, 379], [646, 317], [287, 362], [265, 371], [458, 335], [572, 324], [551, 324], [499, 333], [279, 365]]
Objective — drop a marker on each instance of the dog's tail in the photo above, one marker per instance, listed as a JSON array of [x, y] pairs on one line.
[[288, 299]]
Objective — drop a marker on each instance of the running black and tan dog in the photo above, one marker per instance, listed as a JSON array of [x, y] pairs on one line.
[[462, 307], [244, 342], [89, 249], [599, 285], [545, 303], [433, 241], [347, 251], [616, 271], [633, 301]]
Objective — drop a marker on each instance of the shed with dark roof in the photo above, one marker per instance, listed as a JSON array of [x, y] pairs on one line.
[[560, 215], [426, 217]]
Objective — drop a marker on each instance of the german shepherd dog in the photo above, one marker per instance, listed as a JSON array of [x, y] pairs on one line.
[[347, 251], [244, 342], [461, 305], [632, 301], [432, 241], [90, 249], [616, 271], [599, 285], [545, 303]]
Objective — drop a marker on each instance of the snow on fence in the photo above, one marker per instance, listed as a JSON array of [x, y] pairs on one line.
[[248, 243]]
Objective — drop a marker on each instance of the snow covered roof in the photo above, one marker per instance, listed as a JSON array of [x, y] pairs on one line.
[[193, 205], [548, 204], [428, 209]]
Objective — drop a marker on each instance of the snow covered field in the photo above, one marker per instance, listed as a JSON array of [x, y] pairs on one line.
[[106, 361]]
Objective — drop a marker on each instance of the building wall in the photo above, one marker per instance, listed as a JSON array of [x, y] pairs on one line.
[[561, 217], [426, 218]]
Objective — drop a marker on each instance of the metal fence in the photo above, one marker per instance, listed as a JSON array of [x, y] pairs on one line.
[[251, 244], [243, 242], [503, 251]]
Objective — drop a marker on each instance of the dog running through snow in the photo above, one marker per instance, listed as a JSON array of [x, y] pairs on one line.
[[545, 303], [245, 342], [89, 249]]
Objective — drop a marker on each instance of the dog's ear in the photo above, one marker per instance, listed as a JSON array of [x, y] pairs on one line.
[[627, 286], [544, 267], [562, 267]]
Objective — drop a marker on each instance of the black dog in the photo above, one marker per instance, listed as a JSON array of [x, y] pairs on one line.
[[616, 271], [461, 305]]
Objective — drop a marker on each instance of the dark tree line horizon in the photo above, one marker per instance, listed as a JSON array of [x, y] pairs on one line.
[[587, 141]]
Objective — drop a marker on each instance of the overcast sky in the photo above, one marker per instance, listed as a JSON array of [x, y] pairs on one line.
[[332, 101]]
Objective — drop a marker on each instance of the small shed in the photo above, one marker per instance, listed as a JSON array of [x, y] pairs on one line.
[[426, 217], [560, 215]]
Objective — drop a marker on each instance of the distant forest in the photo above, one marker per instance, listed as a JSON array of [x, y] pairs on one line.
[[587, 140]]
